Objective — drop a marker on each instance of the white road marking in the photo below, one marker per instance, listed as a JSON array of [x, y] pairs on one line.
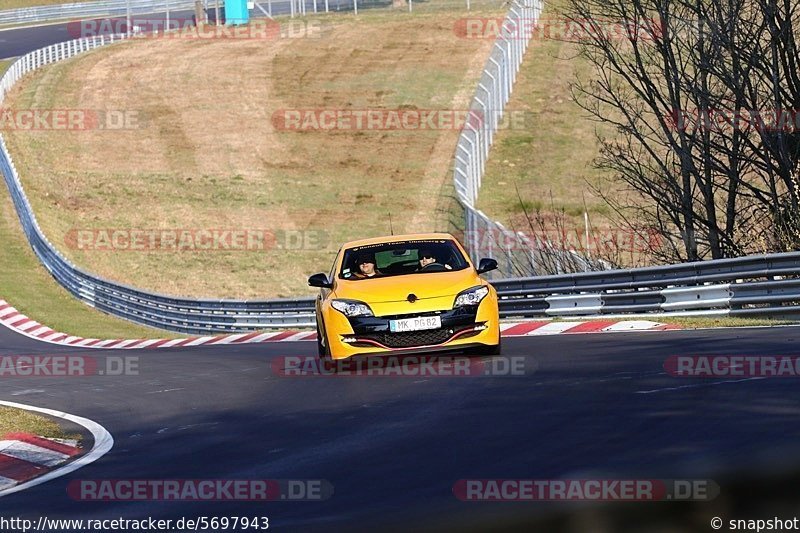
[[627, 325], [32, 453], [201, 340], [553, 328]]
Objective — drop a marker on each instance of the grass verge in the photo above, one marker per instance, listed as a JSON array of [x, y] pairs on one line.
[[26, 285], [724, 322], [698, 322], [547, 156], [19, 420]]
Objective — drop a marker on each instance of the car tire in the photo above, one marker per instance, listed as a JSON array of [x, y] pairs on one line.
[[322, 350]]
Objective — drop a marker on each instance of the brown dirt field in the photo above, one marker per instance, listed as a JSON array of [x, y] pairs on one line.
[[205, 154]]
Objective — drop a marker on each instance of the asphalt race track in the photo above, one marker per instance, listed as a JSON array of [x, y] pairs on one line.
[[19, 41], [598, 406]]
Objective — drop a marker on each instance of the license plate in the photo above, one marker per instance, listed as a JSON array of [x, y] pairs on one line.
[[415, 324]]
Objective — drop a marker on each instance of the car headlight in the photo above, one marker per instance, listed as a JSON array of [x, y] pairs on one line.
[[471, 296], [351, 307]]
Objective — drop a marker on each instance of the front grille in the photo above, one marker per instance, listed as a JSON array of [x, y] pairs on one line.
[[410, 315], [409, 339]]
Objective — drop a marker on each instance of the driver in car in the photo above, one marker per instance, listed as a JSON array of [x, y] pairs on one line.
[[427, 257]]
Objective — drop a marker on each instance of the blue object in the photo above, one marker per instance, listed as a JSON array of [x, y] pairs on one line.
[[236, 12]]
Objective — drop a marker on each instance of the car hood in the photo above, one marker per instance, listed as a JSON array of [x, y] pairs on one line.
[[397, 288]]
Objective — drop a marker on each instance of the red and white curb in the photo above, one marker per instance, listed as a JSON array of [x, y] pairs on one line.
[[24, 456], [13, 319], [27, 460], [546, 327]]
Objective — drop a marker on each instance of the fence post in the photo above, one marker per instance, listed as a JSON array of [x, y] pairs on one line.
[[488, 121]]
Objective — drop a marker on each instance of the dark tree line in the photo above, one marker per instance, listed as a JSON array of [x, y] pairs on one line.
[[703, 97]]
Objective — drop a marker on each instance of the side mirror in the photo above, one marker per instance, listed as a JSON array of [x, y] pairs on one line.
[[320, 280], [486, 265]]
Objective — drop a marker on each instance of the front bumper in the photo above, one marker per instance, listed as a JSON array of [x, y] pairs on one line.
[[461, 328]]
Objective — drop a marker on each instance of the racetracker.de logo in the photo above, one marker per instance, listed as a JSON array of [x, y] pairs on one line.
[[606, 240], [194, 240], [733, 366], [190, 490], [641, 490], [403, 366], [558, 28], [728, 120], [32, 366], [405, 119], [185, 28], [70, 119]]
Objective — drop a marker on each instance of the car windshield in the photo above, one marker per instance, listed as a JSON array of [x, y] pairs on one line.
[[400, 258]]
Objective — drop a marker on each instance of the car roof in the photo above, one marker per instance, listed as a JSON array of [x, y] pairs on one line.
[[397, 238]]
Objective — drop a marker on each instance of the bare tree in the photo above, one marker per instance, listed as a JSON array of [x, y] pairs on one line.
[[698, 93]]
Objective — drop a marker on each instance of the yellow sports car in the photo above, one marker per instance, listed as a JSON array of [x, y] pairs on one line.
[[405, 293]]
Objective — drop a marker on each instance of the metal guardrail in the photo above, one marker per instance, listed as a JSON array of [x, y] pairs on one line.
[[119, 8], [84, 10], [753, 285], [756, 285]]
